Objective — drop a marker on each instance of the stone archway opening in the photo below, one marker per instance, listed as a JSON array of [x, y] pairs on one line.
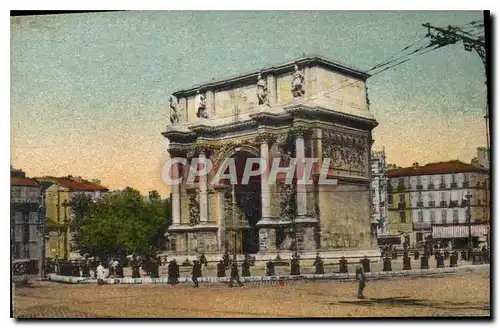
[[242, 234]]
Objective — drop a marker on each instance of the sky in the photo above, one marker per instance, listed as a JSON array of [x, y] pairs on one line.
[[89, 92]]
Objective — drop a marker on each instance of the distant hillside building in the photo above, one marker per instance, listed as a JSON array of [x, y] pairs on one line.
[[483, 158], [26, 225], [431, 200], [379, 192], [58, 194]]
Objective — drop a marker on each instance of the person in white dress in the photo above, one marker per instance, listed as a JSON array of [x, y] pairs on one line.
[[101, 274]]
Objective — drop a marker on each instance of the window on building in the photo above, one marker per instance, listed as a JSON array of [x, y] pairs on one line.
[[433, 217], [443, 181], [402, 217], [26, 233], [444, 215], [455, 216], [389, 199], [420, 216], [419, 197], [401, 198]]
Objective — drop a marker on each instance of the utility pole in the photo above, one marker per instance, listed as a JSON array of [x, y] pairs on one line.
[[41, 229], [452, 35]]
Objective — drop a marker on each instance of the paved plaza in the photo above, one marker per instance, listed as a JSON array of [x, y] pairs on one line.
[[461, 294]]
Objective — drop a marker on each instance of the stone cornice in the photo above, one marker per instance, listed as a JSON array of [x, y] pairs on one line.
[[251, 78], [316, 113]]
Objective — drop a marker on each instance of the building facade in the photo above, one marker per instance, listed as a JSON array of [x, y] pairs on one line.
[[379, 193], [432, 200], [58, 193], [309, 108], [26, 224]]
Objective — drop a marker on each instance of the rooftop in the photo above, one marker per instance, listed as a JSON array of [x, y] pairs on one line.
[[455, 166], [17, 181], [252, 76], [71, 184]]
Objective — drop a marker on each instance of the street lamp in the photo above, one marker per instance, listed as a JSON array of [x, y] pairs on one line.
[[468, 197]]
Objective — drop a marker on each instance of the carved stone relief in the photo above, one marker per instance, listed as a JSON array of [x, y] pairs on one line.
[[346, 152], [194, 208], [288, 202]]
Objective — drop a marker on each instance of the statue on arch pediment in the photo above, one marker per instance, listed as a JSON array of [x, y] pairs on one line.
[[201, 105], [298, 83], [262, 91], [174, 110]]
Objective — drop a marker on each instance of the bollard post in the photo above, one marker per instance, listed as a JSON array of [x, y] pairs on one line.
[[453, 260], [366, 264], [270, 268], [439, 260], [319, 266], [343, 265], [387, 264], [424, 262], [406, 263], [295, 267]]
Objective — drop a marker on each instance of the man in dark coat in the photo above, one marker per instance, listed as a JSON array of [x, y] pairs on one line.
[[173, 272], [196, 272], [245, 269], [136, 271], [203, 260], [226, 260], [235, 276], [361, 278]]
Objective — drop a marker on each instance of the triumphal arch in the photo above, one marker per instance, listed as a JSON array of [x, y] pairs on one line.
[[309, 108]]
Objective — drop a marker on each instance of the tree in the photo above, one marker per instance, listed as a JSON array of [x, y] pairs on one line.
[[123, 222], [81, 205]]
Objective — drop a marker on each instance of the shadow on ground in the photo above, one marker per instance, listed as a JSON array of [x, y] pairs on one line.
[[406, 301]]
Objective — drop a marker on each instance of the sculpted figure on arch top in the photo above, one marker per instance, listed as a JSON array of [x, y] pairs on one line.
[[262, 92], [201, 105], [174, 111], [298, 83]]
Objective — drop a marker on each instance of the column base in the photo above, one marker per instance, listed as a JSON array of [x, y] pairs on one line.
[[267, 240]]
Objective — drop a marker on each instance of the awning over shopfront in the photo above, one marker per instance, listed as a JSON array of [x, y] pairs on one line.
[[459, 231]]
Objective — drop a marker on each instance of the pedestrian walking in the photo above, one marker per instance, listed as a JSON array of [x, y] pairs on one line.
[[203, 260], [226, 259], [173, 273], [360, 277], [235, 276], [196, 272]]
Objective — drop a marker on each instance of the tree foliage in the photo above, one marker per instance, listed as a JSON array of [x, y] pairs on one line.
[[123, 222]]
